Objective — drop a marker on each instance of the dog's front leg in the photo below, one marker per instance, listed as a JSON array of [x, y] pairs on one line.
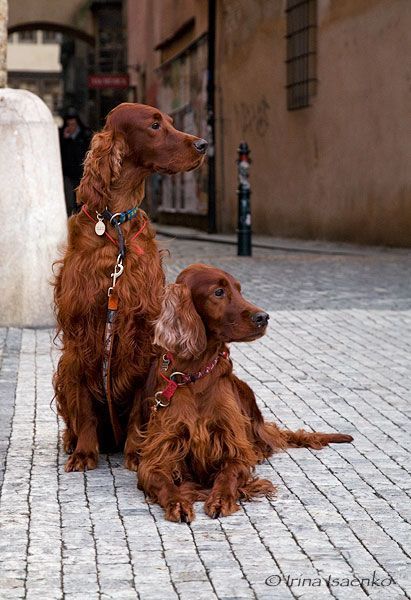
[[84, 422], [177, 501], [222, 500], [134, 432]]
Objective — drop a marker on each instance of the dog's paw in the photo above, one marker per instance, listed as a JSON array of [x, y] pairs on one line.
[[219, 505], [131, 461], [180, 512], [81, 461]]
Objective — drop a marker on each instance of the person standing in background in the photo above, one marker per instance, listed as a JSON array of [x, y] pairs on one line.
[[74, 142]]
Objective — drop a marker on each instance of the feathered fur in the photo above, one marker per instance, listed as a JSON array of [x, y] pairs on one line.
[[120, 158], [206, 443], [179, 329]]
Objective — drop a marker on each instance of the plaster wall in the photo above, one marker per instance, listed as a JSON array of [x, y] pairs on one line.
[[338, 169], [149, 23], [174, 13], [71, 13]]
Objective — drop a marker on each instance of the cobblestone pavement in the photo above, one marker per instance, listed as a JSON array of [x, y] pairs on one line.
[[336, 358]]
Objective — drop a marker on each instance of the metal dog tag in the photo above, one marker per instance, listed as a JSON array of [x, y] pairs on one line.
[[100, 228]]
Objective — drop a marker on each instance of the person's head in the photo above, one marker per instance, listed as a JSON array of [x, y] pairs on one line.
[[71, 125], [71, 120]]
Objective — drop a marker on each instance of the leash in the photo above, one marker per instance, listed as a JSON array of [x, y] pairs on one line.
[[177, 379], [116, 220], [112, 307]]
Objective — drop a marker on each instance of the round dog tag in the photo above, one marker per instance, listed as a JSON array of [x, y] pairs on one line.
[[100, 228]]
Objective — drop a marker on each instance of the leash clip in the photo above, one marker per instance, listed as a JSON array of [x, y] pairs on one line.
[[159, 400], [162, 398], [118, 270]]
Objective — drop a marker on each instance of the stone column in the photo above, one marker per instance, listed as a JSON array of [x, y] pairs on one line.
[[3, 43], [32, 209]]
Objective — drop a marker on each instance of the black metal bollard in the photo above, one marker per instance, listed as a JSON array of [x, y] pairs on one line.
[[244, 193]]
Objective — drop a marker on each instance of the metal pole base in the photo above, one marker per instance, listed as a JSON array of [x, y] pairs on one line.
[[244, 247]]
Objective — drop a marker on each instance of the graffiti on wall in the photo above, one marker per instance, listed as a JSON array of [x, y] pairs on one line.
[[253, 117]]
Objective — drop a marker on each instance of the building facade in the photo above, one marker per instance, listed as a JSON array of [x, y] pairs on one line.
[[319, 89], [167, 60], [34, 65], [89, 57], [321, 93]]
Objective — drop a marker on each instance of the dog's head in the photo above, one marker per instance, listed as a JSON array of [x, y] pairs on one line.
[[136, 140], [205, 305]]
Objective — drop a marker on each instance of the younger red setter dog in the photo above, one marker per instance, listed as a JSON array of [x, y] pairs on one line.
[[202, 426], [137, 140]]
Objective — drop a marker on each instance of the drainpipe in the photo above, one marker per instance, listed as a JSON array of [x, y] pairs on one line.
[[212, 225]]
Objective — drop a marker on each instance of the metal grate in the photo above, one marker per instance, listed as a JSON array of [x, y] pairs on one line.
[[301, 52]]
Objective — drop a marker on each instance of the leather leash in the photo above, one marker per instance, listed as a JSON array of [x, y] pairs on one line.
[[116, 220]]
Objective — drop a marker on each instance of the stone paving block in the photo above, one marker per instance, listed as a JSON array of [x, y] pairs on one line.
[[81, 596], [332, 361]]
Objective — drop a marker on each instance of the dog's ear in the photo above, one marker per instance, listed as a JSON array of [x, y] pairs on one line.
[[179, 328], [102, 166]]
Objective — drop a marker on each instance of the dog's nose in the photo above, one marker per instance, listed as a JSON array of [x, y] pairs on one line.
[[260, 318], [200, 145]]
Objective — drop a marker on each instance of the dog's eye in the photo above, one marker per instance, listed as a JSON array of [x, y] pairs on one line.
[[219, 292], [155, 125]]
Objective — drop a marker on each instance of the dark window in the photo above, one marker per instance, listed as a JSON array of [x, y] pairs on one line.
[[28, 37], [301, 52], [110, 54], [51, 37]]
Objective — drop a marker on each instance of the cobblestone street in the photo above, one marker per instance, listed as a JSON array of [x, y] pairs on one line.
[[336, 357]]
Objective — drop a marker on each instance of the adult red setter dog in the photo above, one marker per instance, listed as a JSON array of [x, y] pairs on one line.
[[106, 324], [203, 432]]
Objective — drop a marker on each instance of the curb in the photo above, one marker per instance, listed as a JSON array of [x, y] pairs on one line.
[[360, 251]]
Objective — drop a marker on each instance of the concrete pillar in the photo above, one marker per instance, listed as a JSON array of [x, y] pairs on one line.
[[3, 43], [32, 208]]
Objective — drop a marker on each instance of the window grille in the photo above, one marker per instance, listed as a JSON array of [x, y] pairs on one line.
[[301, 38]]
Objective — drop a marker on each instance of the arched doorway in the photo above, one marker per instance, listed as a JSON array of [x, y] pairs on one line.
[[93, 71], [53, 61]]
